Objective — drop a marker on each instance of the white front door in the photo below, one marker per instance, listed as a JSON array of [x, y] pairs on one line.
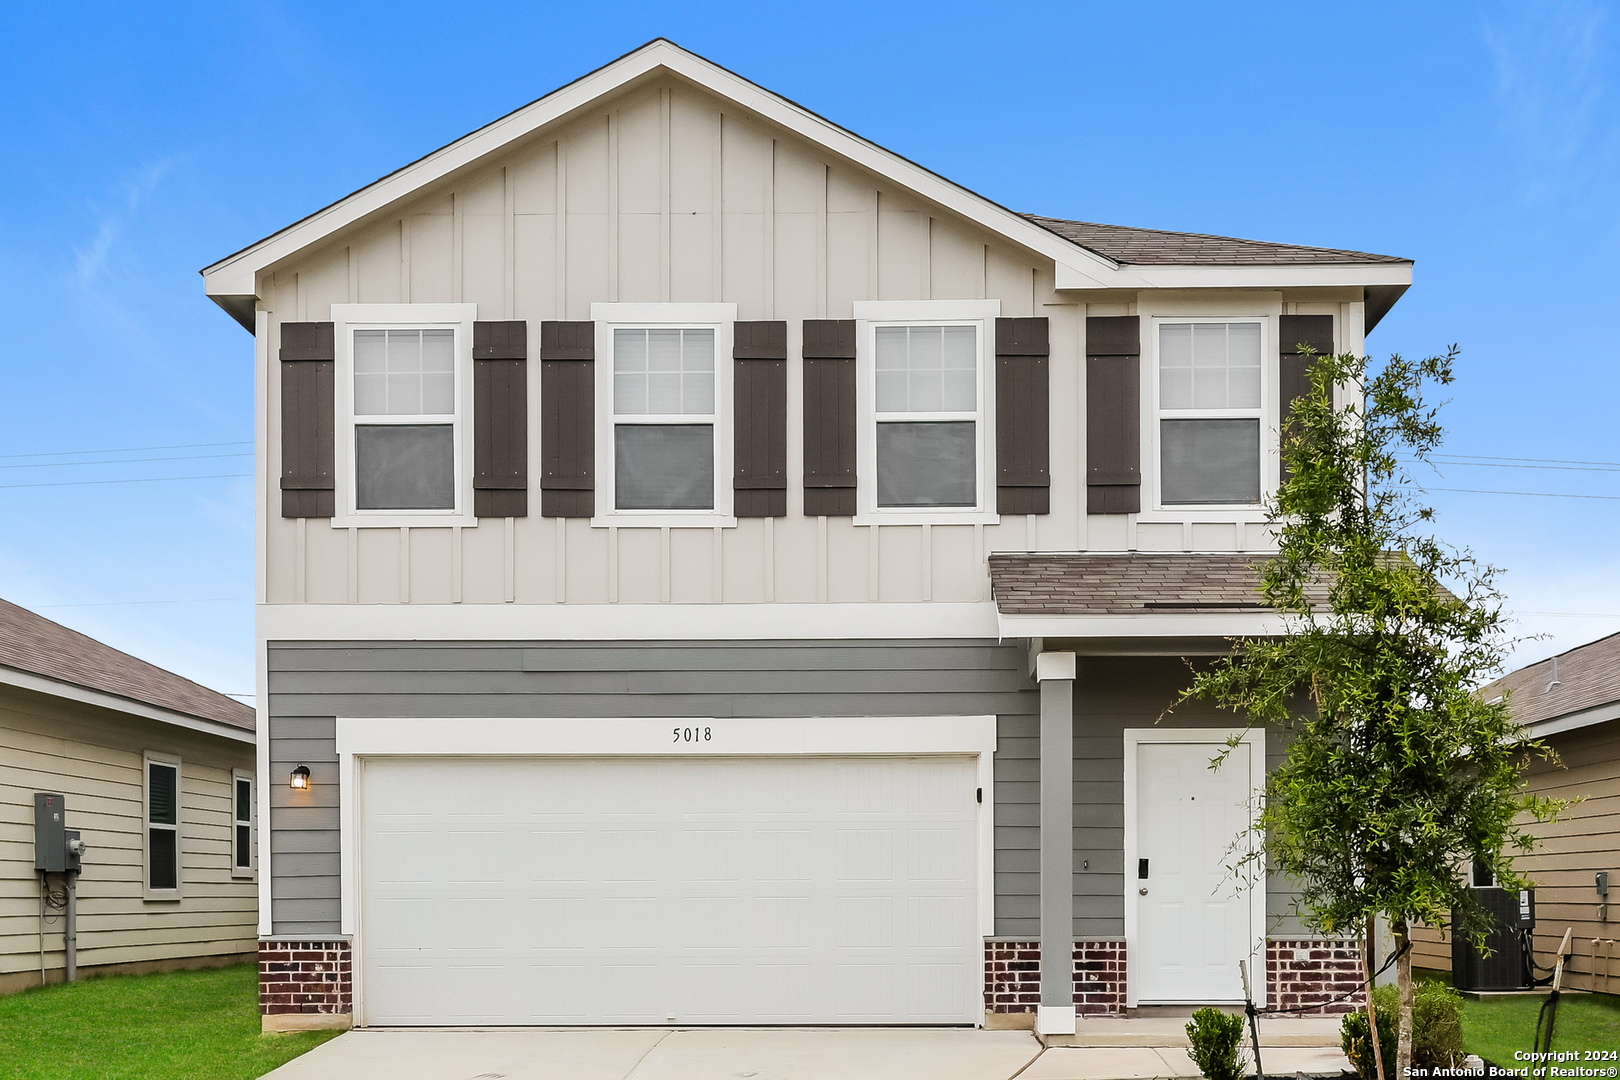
[[1194, 919], [796, 890]]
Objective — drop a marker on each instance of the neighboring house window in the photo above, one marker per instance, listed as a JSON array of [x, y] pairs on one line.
[[241, 823], [161, 799], [664, 450], [403, 403], [925, 395], [1210, 397]]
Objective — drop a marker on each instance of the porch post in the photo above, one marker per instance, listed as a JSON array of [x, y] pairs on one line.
[[1055, 672]]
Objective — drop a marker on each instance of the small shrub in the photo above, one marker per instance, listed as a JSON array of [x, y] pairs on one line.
[[1436, 1030], [1216, 1038]]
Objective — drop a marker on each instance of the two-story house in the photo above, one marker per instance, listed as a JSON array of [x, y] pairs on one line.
[[715, 570]]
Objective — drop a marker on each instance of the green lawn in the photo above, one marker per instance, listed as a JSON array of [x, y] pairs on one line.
[[202, 1024], [1497, 1027]]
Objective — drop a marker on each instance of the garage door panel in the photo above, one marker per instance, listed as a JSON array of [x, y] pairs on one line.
[[711, 891]]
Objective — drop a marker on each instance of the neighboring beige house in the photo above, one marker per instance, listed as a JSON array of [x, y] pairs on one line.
[[1571, 701], [166, 882]]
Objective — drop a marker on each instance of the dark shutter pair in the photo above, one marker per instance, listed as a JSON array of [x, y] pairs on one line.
[[1023, 417], [1113, 400], [1293, 367], [499, 419], [568, 419]]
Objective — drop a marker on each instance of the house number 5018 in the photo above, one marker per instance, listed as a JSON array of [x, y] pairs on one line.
[[693, 734]]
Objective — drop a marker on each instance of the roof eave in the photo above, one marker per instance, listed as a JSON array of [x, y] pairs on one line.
[[28, 680]]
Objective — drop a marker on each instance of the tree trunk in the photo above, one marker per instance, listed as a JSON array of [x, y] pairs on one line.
[[1403, 978], [1368, 955]]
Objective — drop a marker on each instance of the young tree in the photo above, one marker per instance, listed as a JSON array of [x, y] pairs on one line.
[[1397, 773]]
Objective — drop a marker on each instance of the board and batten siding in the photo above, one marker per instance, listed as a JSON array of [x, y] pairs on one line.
[[93, 757], [666, 194], [312, 683], [1568, 856]]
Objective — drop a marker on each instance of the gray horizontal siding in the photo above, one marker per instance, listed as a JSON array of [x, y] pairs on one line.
[[311, 683], [1110, 695]]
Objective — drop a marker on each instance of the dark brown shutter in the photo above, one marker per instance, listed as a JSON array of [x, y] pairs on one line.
[[1293, 369], [829, 417], [307, 365], [1023, 417], [567, 419], [759, 419], [1113, 418], [501, 419]]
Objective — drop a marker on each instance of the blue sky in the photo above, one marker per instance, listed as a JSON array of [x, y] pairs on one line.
[[142, 142]]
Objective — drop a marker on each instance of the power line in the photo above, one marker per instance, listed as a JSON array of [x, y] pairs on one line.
[[121, 461], [136, 480], [1543, 461], [131, 449], [1479, 464], [134, 603], [1537, 494]]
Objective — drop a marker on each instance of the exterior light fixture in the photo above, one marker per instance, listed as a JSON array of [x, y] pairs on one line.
[[300, 778]]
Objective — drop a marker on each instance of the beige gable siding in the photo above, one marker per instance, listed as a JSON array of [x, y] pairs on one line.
[[669, 194], [93, 757]]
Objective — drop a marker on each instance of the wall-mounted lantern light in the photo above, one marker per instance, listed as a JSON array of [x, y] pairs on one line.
[[300, 778]]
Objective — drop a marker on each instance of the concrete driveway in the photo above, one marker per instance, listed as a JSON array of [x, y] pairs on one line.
[[748, 1054]]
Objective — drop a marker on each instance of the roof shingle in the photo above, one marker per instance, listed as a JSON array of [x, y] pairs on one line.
[[1587, 676], [35, 644], [1137, 583], [1157, 247]]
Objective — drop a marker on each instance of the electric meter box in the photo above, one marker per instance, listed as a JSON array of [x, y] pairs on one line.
[[50, 833]]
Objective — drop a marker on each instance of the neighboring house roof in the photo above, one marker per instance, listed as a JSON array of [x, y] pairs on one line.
[[232, 281], [33, 645], [1574, 689], [1127, 584]]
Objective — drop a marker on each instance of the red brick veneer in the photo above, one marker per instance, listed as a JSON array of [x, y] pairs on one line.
[[1012, 976], [299, 976], [1307, 971]]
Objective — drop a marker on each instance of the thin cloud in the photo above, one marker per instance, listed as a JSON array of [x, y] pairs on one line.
[[1549, 87], [91, 259]]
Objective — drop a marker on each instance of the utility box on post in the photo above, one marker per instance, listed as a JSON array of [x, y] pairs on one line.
[[50, 834]]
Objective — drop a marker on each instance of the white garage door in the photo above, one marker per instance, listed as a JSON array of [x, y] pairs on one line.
[[684, 890]]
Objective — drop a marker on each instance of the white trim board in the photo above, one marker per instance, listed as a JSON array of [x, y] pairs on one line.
[[1220, 624], [41, 684], [362, 738], [1574, 721], [623, 622], [1255, 738]]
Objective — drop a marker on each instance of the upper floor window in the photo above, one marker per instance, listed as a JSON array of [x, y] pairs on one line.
[[1210, 397], [924, 397], [663, 393], [403, 376], [663, 418]]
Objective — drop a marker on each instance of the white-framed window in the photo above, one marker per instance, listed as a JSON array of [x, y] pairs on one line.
[[1210, 436], [663, 401], [244, 856], [160, 829], [404, 416], [926, 398]]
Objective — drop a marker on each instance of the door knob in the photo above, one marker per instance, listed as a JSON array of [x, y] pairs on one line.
[[1141, 892]]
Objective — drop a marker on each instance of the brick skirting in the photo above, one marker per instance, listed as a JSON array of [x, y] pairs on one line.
[[1303, 971], [305, 977], [1012, 976]]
